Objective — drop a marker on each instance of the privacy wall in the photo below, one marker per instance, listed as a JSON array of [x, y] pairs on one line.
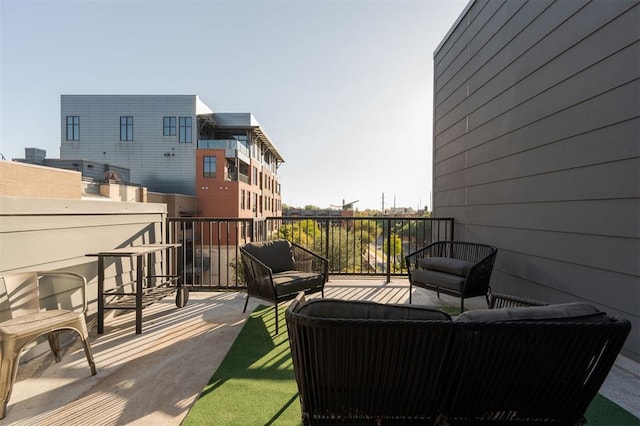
[[536, 147]]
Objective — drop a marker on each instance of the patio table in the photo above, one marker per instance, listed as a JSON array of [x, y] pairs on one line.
[[143, 295]]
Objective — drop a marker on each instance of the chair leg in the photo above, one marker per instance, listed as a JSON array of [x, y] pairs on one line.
[[276, 317], [89, 354], [54, 344], [410, 287], [246, 302], [461, 304], [8, 372], [84, 335]]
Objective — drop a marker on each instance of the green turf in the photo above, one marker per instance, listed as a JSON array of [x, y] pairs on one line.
[[255, 385]]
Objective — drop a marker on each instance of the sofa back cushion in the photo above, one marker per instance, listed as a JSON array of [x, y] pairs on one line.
[[343, 309], [565, 312], [448, 265], [276, 254]]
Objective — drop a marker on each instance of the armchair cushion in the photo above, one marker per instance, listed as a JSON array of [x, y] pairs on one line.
[[439, 279], [447, 265], [291, 282], [343, 309], [558, 313], [275, 254]]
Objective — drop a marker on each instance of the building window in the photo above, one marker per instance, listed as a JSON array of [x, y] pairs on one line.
[[209, 167], [169, 126], [185, 129], [126, 128], [242, 199], [73, 128]]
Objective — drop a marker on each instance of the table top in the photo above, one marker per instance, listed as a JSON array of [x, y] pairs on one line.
[[135, 250]]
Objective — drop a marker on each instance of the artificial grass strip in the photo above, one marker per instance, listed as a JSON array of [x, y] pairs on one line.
[[254, 384], [604, 412]]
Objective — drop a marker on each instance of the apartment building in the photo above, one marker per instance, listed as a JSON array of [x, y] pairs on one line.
[[177, 144]]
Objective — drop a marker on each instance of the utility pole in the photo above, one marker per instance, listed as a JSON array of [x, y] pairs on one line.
[[383, 203]]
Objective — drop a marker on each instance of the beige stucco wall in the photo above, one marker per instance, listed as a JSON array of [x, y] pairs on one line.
[[177, 204], [45, 234], [29, 180]]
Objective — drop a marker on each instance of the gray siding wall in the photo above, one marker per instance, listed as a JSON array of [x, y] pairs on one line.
[[146, 155], [536, 147]]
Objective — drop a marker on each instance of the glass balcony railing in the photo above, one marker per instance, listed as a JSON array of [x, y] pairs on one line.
[[226, 144]]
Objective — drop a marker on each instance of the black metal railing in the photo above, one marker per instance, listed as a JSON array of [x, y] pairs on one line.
[[364, 246]]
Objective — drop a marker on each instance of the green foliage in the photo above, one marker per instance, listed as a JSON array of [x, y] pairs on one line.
[[368, 213], [396, 246], [303, 232], [367, 230], [345, 250], [396, 251]]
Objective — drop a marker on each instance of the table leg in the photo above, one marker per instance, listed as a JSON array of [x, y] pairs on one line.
[[100, 295], [139, 278]]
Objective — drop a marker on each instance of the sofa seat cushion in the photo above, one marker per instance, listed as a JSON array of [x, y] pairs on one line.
[[343, 309], [276, 254], [291, 282], [437, 279], [565, 312], [448, 265]]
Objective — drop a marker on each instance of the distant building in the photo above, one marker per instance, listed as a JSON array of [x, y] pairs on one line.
[[177, 144], [95, 170], [22, 178]]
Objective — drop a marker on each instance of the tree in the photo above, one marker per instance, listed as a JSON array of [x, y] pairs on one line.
[[368, 230], [396, 250], [345, 250]]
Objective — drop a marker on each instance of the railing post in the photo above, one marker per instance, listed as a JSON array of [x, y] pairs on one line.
[[388, 250], [452, 230], [326, 239]]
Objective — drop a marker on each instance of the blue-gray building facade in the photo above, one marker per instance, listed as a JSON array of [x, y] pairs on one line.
[[536, 147], [129, 131]]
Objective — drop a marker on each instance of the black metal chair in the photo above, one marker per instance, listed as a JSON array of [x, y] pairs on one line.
[[278, 270], [455, 268]]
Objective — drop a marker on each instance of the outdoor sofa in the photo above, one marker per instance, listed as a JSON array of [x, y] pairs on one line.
[[368, 363]]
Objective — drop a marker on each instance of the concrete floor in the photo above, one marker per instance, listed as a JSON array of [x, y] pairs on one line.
[[155, 377]]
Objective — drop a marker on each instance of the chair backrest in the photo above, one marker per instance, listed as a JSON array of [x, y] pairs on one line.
[[276, 254], [22, 295], [471, 252]]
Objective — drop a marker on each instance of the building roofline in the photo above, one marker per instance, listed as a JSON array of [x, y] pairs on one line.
[[454, 26]]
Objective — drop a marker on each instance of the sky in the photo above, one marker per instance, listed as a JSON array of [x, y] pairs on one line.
[[343, 88]]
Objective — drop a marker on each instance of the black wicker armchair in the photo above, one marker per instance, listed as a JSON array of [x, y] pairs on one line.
[[367, 363], [452, 267], [277, 270]]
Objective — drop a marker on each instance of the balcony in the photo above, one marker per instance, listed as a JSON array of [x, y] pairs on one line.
[[233, 148], [154, 377]]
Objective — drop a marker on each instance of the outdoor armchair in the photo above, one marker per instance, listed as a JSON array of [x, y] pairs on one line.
[[277, 270], [23, 319], [455, 268]]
